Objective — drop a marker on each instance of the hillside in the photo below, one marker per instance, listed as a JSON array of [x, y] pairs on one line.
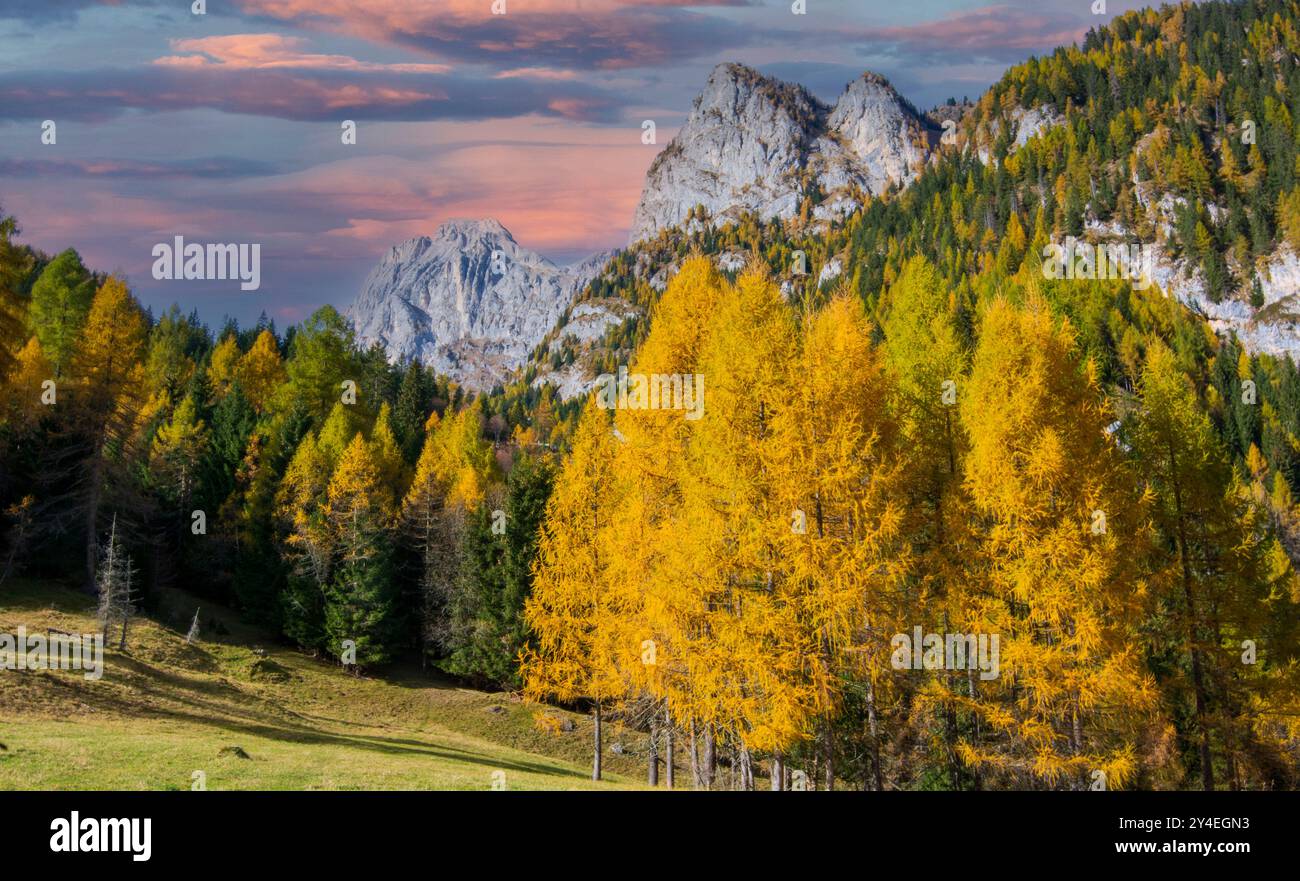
[[164, 709], [1172, 128], [921, 447]]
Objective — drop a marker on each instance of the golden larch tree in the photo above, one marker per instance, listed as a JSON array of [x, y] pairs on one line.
[[576, 610], [1063, 545]]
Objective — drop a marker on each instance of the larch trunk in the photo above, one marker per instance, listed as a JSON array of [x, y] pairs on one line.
[[595, 762]]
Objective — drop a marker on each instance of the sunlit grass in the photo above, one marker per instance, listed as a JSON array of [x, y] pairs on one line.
[[164, 710]]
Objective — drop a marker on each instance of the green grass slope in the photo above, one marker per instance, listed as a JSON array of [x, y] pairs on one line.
[[253, 715]]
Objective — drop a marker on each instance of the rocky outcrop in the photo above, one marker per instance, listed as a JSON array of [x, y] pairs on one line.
[[468, 300], [755, 144]]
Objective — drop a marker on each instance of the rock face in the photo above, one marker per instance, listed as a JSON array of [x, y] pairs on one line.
[[875, 139], [1024, 124], [752, 143], [587, 323], [468, 301], [473, 304]]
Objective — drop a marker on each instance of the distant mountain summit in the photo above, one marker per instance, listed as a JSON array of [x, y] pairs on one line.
[[755, 143], [472, 303], [468, 300]]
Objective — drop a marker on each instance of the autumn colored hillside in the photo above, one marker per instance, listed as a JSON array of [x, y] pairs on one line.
[[928, 495]]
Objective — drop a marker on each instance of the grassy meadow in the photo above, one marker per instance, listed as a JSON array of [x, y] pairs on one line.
[[251, 714]]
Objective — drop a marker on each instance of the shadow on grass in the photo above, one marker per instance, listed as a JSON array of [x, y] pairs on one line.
[[189, 684], [209, 704]]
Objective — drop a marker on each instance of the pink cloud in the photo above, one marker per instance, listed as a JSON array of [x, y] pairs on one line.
[[273, 51], [536, 73], [606, 34], [554, 194], [992, 31], [295, 92]]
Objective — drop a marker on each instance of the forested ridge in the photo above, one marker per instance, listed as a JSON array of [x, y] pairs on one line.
[[940, 438]]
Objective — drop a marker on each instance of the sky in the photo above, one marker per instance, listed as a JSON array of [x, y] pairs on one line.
[[226, 127]]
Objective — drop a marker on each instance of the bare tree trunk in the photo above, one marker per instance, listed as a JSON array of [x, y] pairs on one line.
[[828, 757], [710, 757], [1198, 680], [1198, 683], [876, 773], [668, 745], [950, 725], [976, 782], [695, 760], [1234, 781], [950, 747], [652, 755], [595, 764], [92, 515], [778, 773]]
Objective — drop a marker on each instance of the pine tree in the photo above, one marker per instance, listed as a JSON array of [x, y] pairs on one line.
[[321, 358], [172, 343], [929, 367], [528, 490], [651, 540], [15, 264], [261, 372], [178, 448], [223, 369], [388, 458], [414, 404], [109, 375], [25, 386], [360, 600], [752, 685], [60, 304], [259, 571], [451, 479], [232, 424], [470, 625], [1219, 584], [487, 628], [337, 432], [308, 544], [837, 538], [1288, 217]]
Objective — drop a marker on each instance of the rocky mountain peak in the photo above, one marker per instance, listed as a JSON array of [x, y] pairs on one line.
[[751, 138], [473, 303], [470, 231], [737, 92], [468, 300], [886, 138]]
